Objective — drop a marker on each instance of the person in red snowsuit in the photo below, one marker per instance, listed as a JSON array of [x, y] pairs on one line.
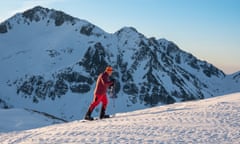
[[100, 91]]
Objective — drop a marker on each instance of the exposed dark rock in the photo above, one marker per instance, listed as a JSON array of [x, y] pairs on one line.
[[61, 17], [130, 88], [94, 60], [75, 77], [3, 28], [87, 30], [60, 87], [80, 88], [4, 104], [35, 13]]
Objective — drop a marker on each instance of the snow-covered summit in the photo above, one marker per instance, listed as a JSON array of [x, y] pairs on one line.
[[37, 14]]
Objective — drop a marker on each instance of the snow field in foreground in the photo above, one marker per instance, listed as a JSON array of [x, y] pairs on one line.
[[214, 120]]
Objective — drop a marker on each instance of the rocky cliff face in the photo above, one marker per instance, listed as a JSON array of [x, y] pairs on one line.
[[148, 71]]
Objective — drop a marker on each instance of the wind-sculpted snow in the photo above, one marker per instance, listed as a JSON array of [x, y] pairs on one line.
[[210, 121]]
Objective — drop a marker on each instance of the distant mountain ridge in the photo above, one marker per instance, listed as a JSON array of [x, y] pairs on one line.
[[51, 60]]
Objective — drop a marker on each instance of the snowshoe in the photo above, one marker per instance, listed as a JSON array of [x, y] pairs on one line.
[[88, 118], [104, 116]]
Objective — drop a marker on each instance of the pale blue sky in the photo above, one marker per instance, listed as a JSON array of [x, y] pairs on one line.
[[209, 29]]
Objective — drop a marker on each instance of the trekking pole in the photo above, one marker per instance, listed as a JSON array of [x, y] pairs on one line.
[[113, 103], [112, 94]]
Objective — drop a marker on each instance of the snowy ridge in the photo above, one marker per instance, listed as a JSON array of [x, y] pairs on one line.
[[214, 120], [50, 61]]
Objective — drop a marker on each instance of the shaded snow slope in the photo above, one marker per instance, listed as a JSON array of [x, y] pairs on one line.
[[209, 121], [19, 119]]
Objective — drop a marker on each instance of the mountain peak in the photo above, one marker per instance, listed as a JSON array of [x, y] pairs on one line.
[[37, 13], [37, 8], [128, 31]]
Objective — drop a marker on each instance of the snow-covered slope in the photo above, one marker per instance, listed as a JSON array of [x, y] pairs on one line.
[[211, 121], [19, 119], [50, 61]]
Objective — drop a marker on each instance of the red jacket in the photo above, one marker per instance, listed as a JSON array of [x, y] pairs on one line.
[[102, 84]]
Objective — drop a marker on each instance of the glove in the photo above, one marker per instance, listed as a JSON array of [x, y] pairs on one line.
[[113, 82]]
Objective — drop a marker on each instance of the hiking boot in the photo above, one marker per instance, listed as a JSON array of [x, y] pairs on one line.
[[105, 116], [88, 115], [102, 114]]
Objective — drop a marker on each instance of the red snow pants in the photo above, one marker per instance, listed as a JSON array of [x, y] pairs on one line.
[[97, 99]]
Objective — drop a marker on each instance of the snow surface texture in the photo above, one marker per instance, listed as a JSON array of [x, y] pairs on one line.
[[209, 121]]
